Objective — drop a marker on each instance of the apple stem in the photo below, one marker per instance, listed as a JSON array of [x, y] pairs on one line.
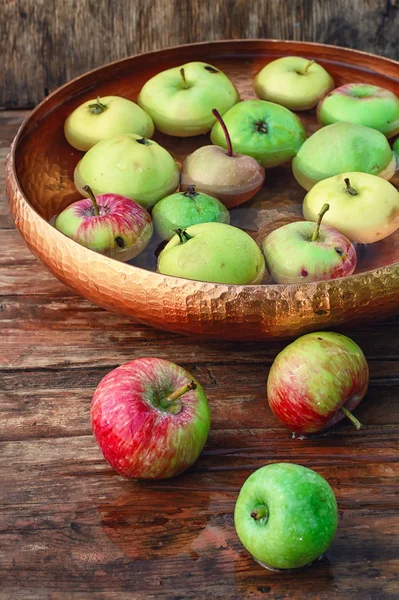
[[309, 64], [93, 199], [97, 107], [183, 235], [349, 188], [260, 513], [316, 232], [171, 403], [358, 425], [190, 192], [222, 124], [183, 76]]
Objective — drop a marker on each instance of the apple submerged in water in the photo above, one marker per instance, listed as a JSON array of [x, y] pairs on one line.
[[109, 224], [213, 252], [286, 515], [231, 177], [150, 418], [305, 252], [180, 100], [316, 381], [266, 131], [294, 82], [97, 120], [363, 104]]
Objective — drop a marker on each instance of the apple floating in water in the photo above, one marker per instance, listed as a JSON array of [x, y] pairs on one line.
[[213, 252], [180, 100], [286, 516], [231, 177], [340, 148], [363, 207], [131, 166], [294, 82], [362, 104], [268, 132], [316, 381], [100, 119], [150, 418], [109, 224], [183, 209], [302, 252]]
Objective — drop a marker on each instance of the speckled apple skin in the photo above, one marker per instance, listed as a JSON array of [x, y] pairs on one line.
[[119, 217], [302, 515], [292, 258], [138, 439], [313, 377]]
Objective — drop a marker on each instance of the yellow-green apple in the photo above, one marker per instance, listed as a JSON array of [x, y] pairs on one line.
[[183, 209], [97, 120], [180, 100], [316, 381], [286, 515], [131, 166], [109, 224], [363, 207], [150, 418], [302, 252], [363, 104], [213, 252], [266, 131], [231, 177], [294, 82], [340, 148]]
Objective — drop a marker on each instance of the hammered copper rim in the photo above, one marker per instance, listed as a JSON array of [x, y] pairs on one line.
[[191, 307]]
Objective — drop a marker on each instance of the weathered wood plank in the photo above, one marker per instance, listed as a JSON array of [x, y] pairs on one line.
[[39, 53]]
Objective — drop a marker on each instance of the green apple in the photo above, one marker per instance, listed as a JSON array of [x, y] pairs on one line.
[[286, 515], [183, 209], [363, 207], [213, 252], [340, 148], [294, 82], [363, 104], [396, 150], [97, 120], [180, 100], [302, 252], [231, 177], [266, 131], [131, 166]]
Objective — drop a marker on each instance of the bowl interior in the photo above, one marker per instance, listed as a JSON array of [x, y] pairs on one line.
[[45, 162]]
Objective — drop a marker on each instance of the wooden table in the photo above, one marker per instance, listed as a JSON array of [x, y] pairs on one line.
[[71, 528]]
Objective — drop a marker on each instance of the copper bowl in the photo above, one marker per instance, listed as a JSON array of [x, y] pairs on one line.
[[40, 184]]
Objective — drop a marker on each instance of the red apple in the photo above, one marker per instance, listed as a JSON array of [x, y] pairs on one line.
[[109, 224], [316, 381], [150, 418]]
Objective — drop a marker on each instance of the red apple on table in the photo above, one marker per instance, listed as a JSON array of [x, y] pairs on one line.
[[109, 224], [316, 381], [150, 418]]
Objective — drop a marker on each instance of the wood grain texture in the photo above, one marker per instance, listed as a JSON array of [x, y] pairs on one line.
[[72, 528], [44, 43]]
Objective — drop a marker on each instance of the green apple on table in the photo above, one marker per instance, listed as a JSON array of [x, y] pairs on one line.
[[286, 515], [131, 166], [180, 100], [266, 131], [233, 178], [363, 207], [213, 252], [183, 209], [363, 104], [294, 82], [341, 148], [99, 119], [302, 252]]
